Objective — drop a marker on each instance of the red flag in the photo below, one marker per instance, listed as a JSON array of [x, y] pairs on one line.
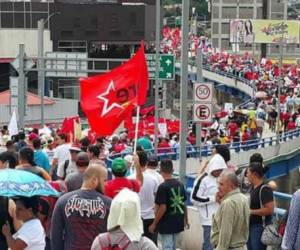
[[68, 124], [107, 99]]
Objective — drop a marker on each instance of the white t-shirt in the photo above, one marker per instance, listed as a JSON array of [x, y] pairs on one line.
[[155, 174], [147, 195], [298, 121], [62, 153], [33, 234], [70, 169]]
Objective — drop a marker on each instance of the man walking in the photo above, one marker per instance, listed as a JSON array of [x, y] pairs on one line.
[[74, 180], [171, 213], [79, 216], [230, 227], [147, 196]]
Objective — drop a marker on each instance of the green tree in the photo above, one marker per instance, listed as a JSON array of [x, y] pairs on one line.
[[200, 5]]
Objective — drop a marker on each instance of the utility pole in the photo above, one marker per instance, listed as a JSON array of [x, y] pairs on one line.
[[22, 87], [253, 57], [41, 66], [236, 36], [41, 62], [199, 64], [279, 82], [183, 89], [157, 82]]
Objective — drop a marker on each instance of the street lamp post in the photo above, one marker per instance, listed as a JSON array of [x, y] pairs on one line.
[[41, 62], [279, 82], [41, 73], [183, 88], [157, 47]]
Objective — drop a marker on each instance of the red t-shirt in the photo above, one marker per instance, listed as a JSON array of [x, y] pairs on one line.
[[233, 127], [113, 187], [164, 147], [291, 125]]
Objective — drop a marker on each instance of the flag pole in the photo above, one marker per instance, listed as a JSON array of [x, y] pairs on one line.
[[136, 129]]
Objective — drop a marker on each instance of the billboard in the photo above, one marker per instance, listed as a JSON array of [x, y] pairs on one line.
[[263, 31]]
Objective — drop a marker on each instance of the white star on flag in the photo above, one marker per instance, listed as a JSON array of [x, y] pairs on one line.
[[107, 108]]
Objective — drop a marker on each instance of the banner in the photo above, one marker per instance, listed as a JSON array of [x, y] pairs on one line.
[[263, 31]]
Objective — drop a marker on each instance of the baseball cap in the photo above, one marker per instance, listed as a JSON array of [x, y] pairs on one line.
[[119, 165], [152, 161], [32, 136], [75, 147]]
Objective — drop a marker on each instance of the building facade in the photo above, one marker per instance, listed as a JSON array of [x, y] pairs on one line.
[[225, 10], [96, 28]]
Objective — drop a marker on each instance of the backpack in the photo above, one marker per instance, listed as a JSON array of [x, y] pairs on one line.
[[66, 164], [106, 243]]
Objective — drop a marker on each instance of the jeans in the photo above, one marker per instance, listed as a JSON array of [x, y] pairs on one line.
[[206, 238], [254, 242], [168, 241]]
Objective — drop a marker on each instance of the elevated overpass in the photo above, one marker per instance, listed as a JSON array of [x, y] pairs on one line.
[[221, 78]]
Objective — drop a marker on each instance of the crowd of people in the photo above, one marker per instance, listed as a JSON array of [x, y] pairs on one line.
[[134, 202], [132, 205]]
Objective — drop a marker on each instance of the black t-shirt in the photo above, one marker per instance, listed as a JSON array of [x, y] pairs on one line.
[[78, 217], [266, 197], [172, 193]]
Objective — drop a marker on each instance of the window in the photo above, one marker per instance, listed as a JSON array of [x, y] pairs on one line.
[[114, 21], [67, 34], [132, 18], [91, 34], [215, 28], [225, 44], [225, 28], [94, 22], [76, 22], [6, 20], [246, 12], [215, 12], [215, 42], [228, 12]]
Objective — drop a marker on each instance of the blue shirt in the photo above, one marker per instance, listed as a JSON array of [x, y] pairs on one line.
[[41, 159], [291, 239]]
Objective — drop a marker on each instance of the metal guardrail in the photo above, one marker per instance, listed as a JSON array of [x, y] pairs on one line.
[[206, 150]]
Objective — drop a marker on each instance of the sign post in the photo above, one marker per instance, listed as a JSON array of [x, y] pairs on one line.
[[203, 110]]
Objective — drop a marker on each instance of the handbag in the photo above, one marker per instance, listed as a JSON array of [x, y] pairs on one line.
[[270, 235]]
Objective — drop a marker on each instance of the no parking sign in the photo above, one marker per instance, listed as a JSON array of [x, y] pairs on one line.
[[202, 112]]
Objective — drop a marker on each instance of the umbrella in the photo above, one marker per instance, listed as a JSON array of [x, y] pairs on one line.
[[261, 94], [23, 183]]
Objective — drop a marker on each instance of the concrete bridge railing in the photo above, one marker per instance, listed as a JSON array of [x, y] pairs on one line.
[[221, 77]]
